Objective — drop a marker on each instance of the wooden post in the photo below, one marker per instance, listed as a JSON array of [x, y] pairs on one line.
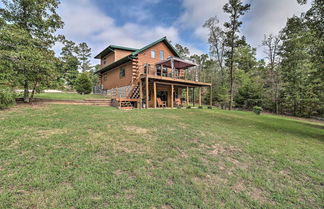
[[211, 96], [147, 91], [193, 97], [141, 94], [199, 96], [154, 94], [187, 96], [172, 95]]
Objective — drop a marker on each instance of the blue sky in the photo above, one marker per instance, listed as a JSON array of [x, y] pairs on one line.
[[136, 23]]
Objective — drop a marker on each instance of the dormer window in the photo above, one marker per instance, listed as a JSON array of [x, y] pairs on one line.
[[153, 54]]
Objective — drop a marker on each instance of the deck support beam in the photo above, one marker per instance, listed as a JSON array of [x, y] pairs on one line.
[[199, 96], [211, 96], [147, 91], [193, 97], [141, 95], [172, 89], [154, 94], [187, 96]]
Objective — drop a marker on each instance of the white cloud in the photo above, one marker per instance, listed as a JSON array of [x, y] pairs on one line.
[[264, 17], [85, 22]]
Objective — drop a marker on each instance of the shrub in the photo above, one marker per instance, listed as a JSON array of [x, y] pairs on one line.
[[83, 84], [179, 107], [200, 107], [7, 97], [257, 110], [188, 107], [210, 107]]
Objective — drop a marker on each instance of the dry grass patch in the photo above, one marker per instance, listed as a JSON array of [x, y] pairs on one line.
[[136, 129]]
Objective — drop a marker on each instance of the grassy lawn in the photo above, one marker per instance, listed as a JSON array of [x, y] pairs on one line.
[[61, 156], [70, 96]]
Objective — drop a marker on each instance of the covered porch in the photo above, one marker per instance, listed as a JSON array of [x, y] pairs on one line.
[[157, 93]]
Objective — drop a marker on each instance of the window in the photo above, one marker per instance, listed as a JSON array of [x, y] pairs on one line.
[[161, 55], [153, 54], [121, 72]]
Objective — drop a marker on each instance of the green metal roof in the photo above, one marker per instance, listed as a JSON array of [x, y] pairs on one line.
[[111, 48], [164, 39], [133, 54]]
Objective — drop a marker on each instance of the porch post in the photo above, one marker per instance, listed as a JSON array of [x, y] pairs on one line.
[[172, 67], [199, 96], [211, 95], [187, 96], [141, 94], [147, 91], [193, 97], [154, 94], [171, 95]]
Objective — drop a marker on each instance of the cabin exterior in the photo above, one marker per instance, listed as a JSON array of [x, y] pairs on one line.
[[150, 77]]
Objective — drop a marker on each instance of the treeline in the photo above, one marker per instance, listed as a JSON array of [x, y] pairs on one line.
[[27, 61], [290, 80]]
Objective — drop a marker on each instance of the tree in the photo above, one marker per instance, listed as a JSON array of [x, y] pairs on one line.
[[216, 40], [84, 55], [83, 84], [70, 62], [34, 22], [272, 49], [183, 51], [244, 57], [235, 9]]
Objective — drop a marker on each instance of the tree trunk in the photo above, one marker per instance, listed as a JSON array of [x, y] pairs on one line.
[[33, 92], [26, 92], [231, 78]]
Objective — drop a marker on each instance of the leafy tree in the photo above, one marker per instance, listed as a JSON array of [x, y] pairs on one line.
[[83, 84], [69, 63], [33, 24], [272, 49], [244, 58], [235, 9], [216, 40], [84, 55], [201, 61], [183, 51]]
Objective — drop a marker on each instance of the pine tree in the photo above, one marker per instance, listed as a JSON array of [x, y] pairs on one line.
[[235, 9]]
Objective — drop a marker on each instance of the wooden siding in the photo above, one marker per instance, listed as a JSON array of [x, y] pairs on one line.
[[145, 56], [110, 58], [121, 54], [112, 77]]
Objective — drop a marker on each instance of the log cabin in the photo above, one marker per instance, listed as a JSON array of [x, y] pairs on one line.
[[151, 77]]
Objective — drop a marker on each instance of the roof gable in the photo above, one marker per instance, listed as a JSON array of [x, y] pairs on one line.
[[165, 40], [111, 48]]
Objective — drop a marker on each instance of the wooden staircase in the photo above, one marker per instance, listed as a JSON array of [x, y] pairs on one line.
[[128, 97]]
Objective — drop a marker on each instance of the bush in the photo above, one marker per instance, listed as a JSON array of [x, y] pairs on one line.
[[210, 107], [200, 107], [83, 84], [179, 107], [188, 107], [257, 110], [7, 97]]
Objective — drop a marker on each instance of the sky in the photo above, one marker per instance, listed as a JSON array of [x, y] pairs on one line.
[[133, 23]]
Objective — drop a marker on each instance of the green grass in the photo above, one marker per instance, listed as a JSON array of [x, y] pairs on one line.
[[62, 156], [69, 96]]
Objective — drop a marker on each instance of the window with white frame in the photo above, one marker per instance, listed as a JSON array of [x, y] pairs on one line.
[[153, 54], [161, 55]]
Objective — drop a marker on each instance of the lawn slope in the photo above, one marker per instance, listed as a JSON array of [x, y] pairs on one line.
[[61, 156]]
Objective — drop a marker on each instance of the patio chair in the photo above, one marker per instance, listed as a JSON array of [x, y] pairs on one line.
[[161, 103]]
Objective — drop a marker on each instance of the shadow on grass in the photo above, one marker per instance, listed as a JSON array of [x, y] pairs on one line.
[[300, 129]]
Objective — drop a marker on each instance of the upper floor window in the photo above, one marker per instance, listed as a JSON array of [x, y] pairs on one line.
[[122, 72], [161, 55], [153, 54]]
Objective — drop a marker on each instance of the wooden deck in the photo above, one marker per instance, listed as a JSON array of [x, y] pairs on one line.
[[176, 80]]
